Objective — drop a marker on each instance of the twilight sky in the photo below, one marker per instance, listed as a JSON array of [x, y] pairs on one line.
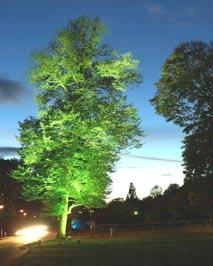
[[149, 29]]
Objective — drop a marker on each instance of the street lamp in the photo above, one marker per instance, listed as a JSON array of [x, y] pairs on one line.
[[1, 229], [22, 216], [91, 223]]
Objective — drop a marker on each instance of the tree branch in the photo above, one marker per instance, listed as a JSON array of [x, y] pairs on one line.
[[72, 207]]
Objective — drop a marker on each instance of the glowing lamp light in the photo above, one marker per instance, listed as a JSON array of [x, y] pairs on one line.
[[77, 225], [135, 212], [33, 233]]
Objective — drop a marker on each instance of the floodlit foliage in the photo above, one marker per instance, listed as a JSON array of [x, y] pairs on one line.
[[84, 120]]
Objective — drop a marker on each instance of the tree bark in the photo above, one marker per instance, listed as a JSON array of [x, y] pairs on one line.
[[63, 219]]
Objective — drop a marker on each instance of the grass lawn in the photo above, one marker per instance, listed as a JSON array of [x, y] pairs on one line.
[[163, 249]]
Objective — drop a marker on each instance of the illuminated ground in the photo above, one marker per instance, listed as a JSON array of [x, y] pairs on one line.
[[177, 250], [12, 248]]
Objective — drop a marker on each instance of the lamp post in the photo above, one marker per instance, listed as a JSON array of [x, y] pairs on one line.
[[91, 222], [1, 229], [23, 214], [24, 218]]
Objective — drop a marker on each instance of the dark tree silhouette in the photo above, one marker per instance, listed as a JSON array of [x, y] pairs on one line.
[[185, 97], [156, 191], [132, 193]]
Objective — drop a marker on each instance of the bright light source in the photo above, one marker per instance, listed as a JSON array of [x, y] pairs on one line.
[[135, 212], [33, 233], [1, 207]]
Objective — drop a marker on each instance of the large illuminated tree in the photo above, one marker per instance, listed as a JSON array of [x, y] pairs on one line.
[[84, 120]]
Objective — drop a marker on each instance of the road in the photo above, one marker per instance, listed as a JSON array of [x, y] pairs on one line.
[[14, 247]]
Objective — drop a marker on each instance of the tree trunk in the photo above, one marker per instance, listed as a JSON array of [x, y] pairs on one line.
[[63, 219]]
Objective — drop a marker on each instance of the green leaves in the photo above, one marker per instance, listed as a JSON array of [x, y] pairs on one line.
[[120, 69], [83, 119], [184, 87], [185, 97]]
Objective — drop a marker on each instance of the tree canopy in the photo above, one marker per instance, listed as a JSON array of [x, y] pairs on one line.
[[84, 120], [132, 195], [156, 191], [185, 97]]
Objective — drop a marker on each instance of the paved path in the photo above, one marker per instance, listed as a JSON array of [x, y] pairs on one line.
[[14, 247]]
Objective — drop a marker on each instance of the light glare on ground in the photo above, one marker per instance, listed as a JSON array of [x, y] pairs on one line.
[[33, 233]]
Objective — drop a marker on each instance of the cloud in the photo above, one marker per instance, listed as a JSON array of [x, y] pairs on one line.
[[11, 91], [186, 17], [189, 12], [180, 17], [156, 9], [8, 151], [152, 158], [12, 151]]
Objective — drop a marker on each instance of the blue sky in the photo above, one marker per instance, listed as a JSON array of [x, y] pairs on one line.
[[149, 29]]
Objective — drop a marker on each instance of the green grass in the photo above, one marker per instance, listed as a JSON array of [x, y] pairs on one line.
[[158, 250]]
